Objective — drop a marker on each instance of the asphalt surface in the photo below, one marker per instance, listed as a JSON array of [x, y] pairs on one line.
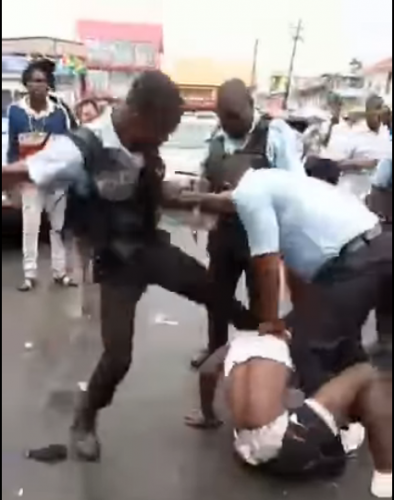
[[148, 453]]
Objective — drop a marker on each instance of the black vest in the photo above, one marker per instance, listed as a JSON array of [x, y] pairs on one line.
[[119, 214], [230, 231]]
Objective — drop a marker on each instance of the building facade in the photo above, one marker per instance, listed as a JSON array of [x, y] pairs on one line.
[[379, 79], [199, 78], [316, 92], [117, 52], [69, 57]]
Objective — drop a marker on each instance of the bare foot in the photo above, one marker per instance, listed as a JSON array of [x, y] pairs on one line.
[[198, 421]]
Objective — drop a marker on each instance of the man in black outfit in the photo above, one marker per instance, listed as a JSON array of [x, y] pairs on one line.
[[115, 173]]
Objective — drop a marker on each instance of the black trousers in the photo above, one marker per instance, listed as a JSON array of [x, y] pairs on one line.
[[159, 263], [327, 326], [229, 258]]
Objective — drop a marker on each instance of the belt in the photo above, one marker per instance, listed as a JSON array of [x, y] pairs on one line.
[[362, 240]]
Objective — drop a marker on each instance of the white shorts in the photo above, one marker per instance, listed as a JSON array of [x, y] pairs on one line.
[[260, 446], [243, 349]]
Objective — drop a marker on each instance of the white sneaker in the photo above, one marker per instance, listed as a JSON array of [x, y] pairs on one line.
[[353, 438], [382, 485]]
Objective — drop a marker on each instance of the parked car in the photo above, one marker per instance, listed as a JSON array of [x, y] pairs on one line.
[[183, 155], [188, 146]]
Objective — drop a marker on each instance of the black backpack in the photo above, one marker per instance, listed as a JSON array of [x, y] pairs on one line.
[[81, 207]]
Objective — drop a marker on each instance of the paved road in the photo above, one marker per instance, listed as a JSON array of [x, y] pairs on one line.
[[149, 454]]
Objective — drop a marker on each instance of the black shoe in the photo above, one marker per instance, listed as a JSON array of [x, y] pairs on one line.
[[28, 285], [85, 444], [200, 359]]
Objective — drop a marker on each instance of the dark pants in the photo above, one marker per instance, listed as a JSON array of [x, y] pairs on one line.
[[159, 264], [323, 169], [229, 259], [327, 326]]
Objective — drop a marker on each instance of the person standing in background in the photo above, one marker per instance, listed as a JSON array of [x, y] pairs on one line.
[[367, 145], [32, 121], [87, 110]]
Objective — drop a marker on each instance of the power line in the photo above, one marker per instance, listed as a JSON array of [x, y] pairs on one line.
[[297, 38]]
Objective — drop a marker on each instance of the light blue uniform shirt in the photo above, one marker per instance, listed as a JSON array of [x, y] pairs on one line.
[[306, 220], [383, 177], [282, 147], [61, 163]]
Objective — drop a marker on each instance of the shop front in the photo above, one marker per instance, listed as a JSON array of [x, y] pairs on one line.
[[68, 56], [117, 52]]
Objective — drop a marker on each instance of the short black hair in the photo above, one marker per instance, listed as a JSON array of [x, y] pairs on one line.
[[374, 102], [154, 93], [43, 65], [234, 89]]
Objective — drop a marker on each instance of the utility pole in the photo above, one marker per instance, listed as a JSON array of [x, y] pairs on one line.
[[297, 38], [253, 76]]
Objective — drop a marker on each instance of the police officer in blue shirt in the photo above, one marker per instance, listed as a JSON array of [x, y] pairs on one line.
[[268, 143], [338, 257]]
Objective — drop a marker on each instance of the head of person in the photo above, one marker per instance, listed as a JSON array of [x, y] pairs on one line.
[[235, 108], [151, 112], [373, 112], [87, 111], [39, 78]]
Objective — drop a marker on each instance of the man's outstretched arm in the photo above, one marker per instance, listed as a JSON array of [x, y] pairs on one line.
[[210, 374], [58, 165], [180, 199]]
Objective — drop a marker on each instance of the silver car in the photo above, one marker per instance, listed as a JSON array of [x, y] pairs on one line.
[[188, 146], [183, 155]]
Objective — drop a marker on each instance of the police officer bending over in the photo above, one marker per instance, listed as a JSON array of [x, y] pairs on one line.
[[115, 173], [336, 252], [244, 133]]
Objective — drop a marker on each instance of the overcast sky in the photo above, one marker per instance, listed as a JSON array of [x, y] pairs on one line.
[[334, 30]]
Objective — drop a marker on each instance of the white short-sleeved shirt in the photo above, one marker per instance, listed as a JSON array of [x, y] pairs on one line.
[[365, 144], [306, 220], [383, 177]]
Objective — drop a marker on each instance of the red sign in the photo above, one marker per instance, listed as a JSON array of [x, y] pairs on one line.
[[121, 46]]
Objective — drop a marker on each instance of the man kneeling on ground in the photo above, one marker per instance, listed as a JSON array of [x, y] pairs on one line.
[[306, 441]]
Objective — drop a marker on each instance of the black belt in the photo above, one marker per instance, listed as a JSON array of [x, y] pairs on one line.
[[361, 241]]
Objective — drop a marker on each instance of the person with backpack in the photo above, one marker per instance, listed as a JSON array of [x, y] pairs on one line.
[[33, 120], [114, 173], [270, 143]]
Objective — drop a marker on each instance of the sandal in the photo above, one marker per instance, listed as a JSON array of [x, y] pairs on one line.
[[28, 285], [65, 281]]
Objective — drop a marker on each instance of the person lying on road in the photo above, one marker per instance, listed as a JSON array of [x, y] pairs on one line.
[[306, 441]]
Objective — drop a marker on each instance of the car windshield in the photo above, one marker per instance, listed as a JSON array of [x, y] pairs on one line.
[[192, 134]]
